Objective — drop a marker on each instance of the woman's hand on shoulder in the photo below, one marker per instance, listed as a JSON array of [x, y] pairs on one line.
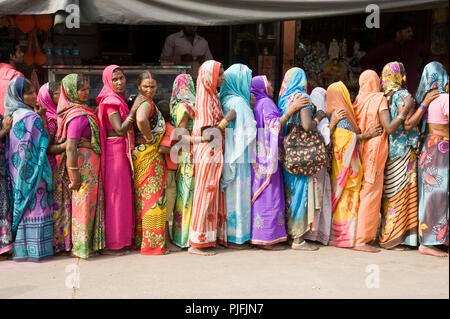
[[7, 124]]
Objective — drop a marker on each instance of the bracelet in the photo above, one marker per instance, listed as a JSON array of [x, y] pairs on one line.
[[73, 168], [400, 116], [223, 123], [423, 107], [285, 117], [129, 119]]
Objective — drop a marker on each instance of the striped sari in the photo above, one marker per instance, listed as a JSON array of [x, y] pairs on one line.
[[208, 223], [150, 203]]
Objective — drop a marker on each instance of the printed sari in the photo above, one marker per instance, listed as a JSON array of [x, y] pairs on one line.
[[433, 167], [400, 201], [268, 215], [31, 179], [116, 165], [182, 103], [346, 169], [373, 153], [149, 179], [240, 135], [88, 211], [6, 242], [208, 223], [295, 186]]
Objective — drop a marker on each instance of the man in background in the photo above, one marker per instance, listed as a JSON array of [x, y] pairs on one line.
[[186, 47], [11, 58], [402, 48]]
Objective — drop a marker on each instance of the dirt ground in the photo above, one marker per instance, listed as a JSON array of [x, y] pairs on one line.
[[254, 273]]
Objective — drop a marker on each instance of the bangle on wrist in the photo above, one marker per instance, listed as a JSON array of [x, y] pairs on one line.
[[285, 117], [402, 117], [73, 168], [423, 107], [223, 123]]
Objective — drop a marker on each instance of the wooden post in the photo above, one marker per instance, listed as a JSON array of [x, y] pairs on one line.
[[288, 45]]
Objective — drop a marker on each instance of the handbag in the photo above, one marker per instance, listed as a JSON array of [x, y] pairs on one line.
[[305, 151]]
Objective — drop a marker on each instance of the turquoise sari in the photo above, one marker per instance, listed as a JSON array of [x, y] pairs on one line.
[[239, 142]]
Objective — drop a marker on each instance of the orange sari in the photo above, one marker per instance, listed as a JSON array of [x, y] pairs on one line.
[[373, 154]]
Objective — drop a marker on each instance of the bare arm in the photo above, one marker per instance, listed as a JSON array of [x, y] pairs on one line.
[[6, 126], [72, 163], [414, 118], [391, 126], [142, 122]]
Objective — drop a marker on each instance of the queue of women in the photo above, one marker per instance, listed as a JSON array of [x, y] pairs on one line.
[[316, 169]]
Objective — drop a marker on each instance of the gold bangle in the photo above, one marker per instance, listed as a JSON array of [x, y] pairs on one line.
[[73, 168], [223, 123], [129, 119], [285, 117]]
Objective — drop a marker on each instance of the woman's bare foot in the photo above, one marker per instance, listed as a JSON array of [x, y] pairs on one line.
[[173, 248], [432, 251], [201, 251], [367, 248], [111, 252], [301, 244], [238, 247], [272, 247], [401, 248]]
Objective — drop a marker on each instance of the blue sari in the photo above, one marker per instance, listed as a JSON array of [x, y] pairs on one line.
[[295, 186], [240, 136], [31, 179]]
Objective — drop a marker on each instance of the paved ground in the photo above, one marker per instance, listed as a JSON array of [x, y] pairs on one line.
[[254, 273]]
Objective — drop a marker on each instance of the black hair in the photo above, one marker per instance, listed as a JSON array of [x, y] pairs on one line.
[[144, 75], [27, 85], [53, 86], [80, 81], [164, 108], [9, 48], [117, 69], [401, 24]]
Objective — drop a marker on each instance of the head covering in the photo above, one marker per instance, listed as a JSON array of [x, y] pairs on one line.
[[183, 91], [294, 83], [338, 98], [14, 97], [208, 111], [434, 76], [108, 91], [45, 99], [238, 78], [369, 100], [260, 87], [318, 97], [392, 78]]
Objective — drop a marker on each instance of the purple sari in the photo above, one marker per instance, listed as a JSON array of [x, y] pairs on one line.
[[268, 209]]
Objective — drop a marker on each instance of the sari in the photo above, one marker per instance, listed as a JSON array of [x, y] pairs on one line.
[[182, 103], [433, 167], [31, 179], [346, 169], [319, 187], [62, 196], [116, 165], [399, 201], [295, 186], [88, 219], [268, 215], [373, 154], [149, 179], [208, 222], [6, 241], [240, 135]]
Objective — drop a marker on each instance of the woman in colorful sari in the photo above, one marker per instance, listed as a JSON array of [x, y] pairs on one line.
[[30, 174], [48, 97], [433, 163], [208, 221], [6, 241], [373, 154], [319, 187], [117, 142], [347, 171], [240, 135], [82, 167], [296, 186], [149, 173], [268, 208], [399, 119], [182, 110]]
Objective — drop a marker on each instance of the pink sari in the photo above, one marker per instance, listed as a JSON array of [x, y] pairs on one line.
[[116, 166]]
